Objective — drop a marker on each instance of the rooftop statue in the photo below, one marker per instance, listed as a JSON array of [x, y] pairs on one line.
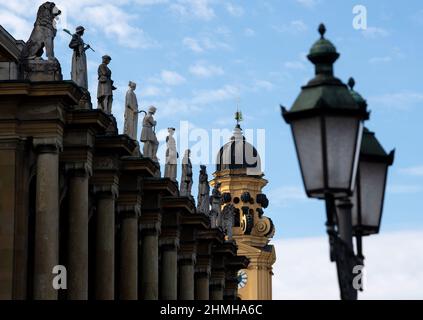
[[79, 73], [171, 166], [148, 135], [203, 198], [186, 178], [131, 112], [227, 220], [105, 86], [42, 37], [43, 34], [216, 203]]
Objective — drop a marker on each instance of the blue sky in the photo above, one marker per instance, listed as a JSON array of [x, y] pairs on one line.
[[196, 60]]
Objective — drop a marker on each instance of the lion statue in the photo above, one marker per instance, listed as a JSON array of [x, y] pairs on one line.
[[43, 34]]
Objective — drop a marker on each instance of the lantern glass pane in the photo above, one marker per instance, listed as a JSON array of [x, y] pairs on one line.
[[372, 189], [308, 140], [343, 136]]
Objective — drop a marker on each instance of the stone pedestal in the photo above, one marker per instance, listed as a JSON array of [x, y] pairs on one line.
[[47, 222], [78, 237], [42, 70]]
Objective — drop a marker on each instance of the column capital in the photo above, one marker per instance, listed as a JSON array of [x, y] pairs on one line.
[[79, 169], [217, 284], [168, 243], [128, 204], [48, 144], [202, 270], [186, 258], [150, 228], [129, 212]]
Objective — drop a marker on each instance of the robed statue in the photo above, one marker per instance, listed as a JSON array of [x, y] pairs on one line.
[[148, 135], [203, 198], [227, 220], [131, 112], [216, 203], [171, 156], [79, 73], [186, 178]]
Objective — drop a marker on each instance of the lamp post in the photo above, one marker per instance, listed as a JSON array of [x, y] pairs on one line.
[[327, 122]]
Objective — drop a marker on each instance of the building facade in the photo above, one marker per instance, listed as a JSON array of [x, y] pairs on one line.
[[75, 193], [241, 182]]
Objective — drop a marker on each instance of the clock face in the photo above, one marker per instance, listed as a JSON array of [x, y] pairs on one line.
[[242, 279]]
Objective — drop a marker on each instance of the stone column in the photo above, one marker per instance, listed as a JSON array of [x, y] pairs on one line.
[[150, 261], [202, 285], [78, 236], [186, 277], [216, 290], [169, 269], [46, 255], [105, 247], [129, 256]]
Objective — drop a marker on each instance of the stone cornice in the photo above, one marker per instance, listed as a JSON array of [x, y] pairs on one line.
[[66, 91], [120, 145], [195, 220], [94, 119], [237, 262], [164, 186], [140, 166], [183, 204], [211, 234]]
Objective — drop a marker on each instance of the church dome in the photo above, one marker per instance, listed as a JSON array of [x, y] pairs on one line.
[[239, 154]]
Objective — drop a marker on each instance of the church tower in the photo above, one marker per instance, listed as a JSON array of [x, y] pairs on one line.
[[238, 171]]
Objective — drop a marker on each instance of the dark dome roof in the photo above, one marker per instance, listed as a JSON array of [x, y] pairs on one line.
[[239, 154]]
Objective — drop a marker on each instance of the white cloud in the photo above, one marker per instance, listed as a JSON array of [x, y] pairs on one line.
[[192, 44], [227, 92], [195, 104], [174, 106], [295, 65], [393, 270], [18, 27], [374, 32], [397, 101], [199, 9], [248, 32], [263, 85], [234, 10], [152, 91], [116, 24], [294, 27], [100, 16], [203, 70], [287, 195], [204, 43], [413, 171], [308, 3], [376, 60], [404, 189], [172, 78]]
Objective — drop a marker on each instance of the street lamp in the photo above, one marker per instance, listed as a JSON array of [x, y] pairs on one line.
[[372, 174], [327, 126]]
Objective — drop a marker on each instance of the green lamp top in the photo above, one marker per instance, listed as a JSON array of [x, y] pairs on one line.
[[372, 150], [357, 97]]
